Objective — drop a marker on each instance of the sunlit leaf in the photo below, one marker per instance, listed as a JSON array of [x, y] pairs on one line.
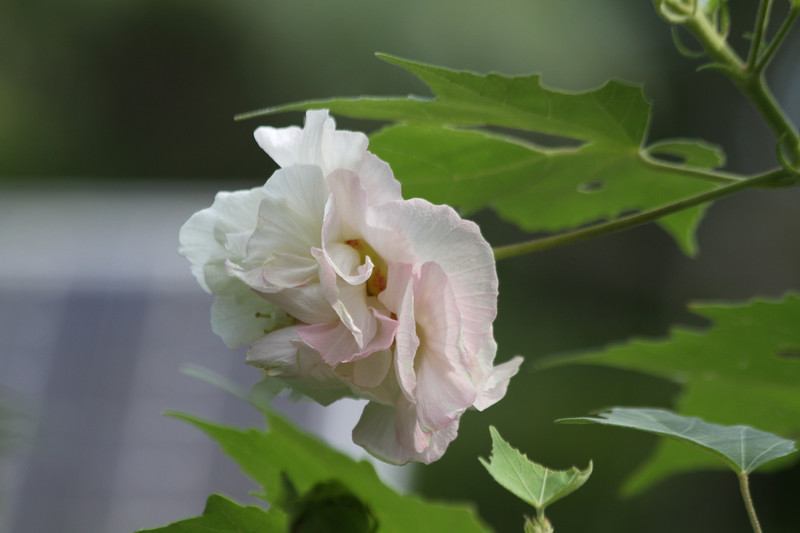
[[222, 515], [598, 167], [533, 483], [745, 369], [741, 447], [266, 456]]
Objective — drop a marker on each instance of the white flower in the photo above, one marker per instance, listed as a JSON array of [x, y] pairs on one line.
[[386, 299]]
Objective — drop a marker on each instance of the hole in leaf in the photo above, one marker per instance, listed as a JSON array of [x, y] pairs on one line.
[[589, 187], [789, 354], [669, 157]]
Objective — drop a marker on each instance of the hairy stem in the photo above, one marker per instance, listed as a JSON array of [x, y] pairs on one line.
[[630, 221], [744, 486]]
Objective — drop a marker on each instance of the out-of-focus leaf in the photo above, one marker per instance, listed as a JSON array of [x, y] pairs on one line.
[[266, 456], [222, 515], [533, 483], [742, 448], [743, 370], [330, 506], [437, 154]]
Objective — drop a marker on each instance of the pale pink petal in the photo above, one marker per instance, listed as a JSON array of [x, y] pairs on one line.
[[439, 443], [399, 299], [376, 432], [444, 385], [432, 233], [379, 432], [497, 383], [410, 433], [336, 344], [333, 341], [282, 354]]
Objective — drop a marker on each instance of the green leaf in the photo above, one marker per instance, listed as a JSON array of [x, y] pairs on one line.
[[533, 483], [437, 154], [222, 515], [284, 450], [536, 188], [740, 447], [743, 370], [615, 113]]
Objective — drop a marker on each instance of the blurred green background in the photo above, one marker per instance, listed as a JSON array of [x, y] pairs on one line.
[[141, 94]]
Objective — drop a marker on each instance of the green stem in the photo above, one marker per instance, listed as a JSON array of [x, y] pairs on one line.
[[758, 33], [714, 176], [744, 487], [630, 221], [750, 81], [783, 31]]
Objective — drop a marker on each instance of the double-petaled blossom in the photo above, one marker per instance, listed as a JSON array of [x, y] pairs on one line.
[[344, 289]]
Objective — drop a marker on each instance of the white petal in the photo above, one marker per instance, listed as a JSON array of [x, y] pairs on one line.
[[241, 317], [497, 383], [282, 145], [378, 180], [290, 215], [376, 433], [318, 143], [276, 352], [370, 371], [204, 237]]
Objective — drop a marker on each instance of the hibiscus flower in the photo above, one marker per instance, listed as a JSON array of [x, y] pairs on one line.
[[344, 289]]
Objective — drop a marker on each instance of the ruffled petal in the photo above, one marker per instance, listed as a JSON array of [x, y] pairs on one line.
[[399, 299], [204, 237], [497, 383], [416, 231], [380, 432], [444, 385], [318, 143], [290, 215]]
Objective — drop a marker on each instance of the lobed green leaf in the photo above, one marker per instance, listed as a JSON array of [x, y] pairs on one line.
[[743, 370], [740, 447], [267, 456], [438, 155], [222, 515], [533, 483]]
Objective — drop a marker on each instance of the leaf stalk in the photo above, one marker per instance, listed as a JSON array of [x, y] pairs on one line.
[[744, 487], [545, 243]]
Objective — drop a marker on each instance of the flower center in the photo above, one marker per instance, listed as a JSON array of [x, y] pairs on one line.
[[377, 281]]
